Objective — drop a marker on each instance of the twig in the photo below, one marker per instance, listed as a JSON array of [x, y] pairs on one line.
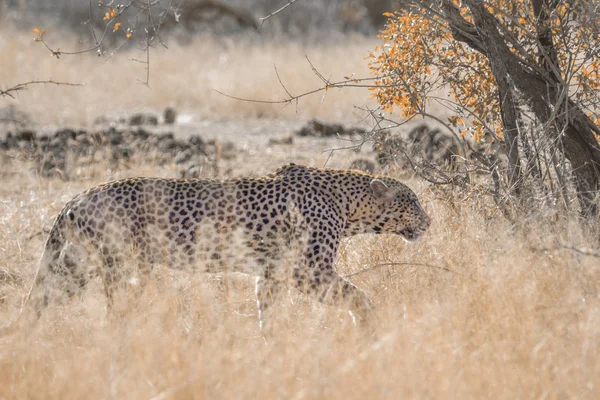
[[281, 83], [263, 19], [23, 86], [148, 39], [353, 83], [43, 232], [91, 23], [98, 43], [582, 250], [114, 15], [7, 277], [317, 73], [394, 264]]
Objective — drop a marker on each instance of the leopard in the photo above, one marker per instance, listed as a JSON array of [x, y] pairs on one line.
[[131, 225]]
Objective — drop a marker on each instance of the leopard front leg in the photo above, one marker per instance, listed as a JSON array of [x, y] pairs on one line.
[[317, 278], [267, 290], [125, 277], [328, 287]]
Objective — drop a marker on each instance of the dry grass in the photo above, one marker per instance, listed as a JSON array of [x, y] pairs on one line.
[[184, 77], [509, 321], [517, 316]]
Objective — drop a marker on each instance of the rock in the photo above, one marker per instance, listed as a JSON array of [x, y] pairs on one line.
[[165, 136], [120, 153], [422, 146], [281, 141], [67, 148], [199, 168], [169, 115], [12, 115], [26, 136], [65, 134], [140, 134], [11, 141], [116, 140], [192, 172], [320, 129], [183, 156], [98, 138], [110, 121], [227, 150], [196, 141], [143, 119], [171, 146], [198, 145], [363, 165], [53, 163]]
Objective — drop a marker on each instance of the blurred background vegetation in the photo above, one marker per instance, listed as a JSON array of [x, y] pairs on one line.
[[303, 19]]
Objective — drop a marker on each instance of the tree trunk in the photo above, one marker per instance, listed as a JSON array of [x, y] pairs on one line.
[[542, 91], [510, 121]]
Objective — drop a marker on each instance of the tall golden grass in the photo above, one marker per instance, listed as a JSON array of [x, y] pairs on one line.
[[476, 309]]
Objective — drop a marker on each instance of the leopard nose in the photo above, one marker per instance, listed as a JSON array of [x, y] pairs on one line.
[[426, 220]]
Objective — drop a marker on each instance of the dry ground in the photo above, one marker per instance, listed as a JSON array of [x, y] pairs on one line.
[[516, 315]]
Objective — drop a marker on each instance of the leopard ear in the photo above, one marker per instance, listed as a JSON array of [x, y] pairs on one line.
[[382, 191]]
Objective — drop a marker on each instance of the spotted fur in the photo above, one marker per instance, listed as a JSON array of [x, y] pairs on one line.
[[132, 224]]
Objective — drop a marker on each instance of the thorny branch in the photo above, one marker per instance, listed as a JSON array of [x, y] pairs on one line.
[[23, 86]]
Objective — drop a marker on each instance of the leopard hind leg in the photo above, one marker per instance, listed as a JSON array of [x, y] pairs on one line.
[[125, 276], [62, 273]]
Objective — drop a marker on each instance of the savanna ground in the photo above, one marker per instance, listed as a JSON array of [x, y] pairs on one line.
[[478, 308]]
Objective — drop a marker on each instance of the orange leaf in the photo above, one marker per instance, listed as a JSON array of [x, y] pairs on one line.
[[117, 26], [36, 31]]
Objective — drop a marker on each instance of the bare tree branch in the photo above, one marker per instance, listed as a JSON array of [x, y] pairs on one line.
[[353, 83], [23, 86], [395, 264], [263, 19]]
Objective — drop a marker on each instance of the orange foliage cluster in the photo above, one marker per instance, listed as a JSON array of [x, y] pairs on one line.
[[403, 64], [111, 13], [111, 16], [420, 57]]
